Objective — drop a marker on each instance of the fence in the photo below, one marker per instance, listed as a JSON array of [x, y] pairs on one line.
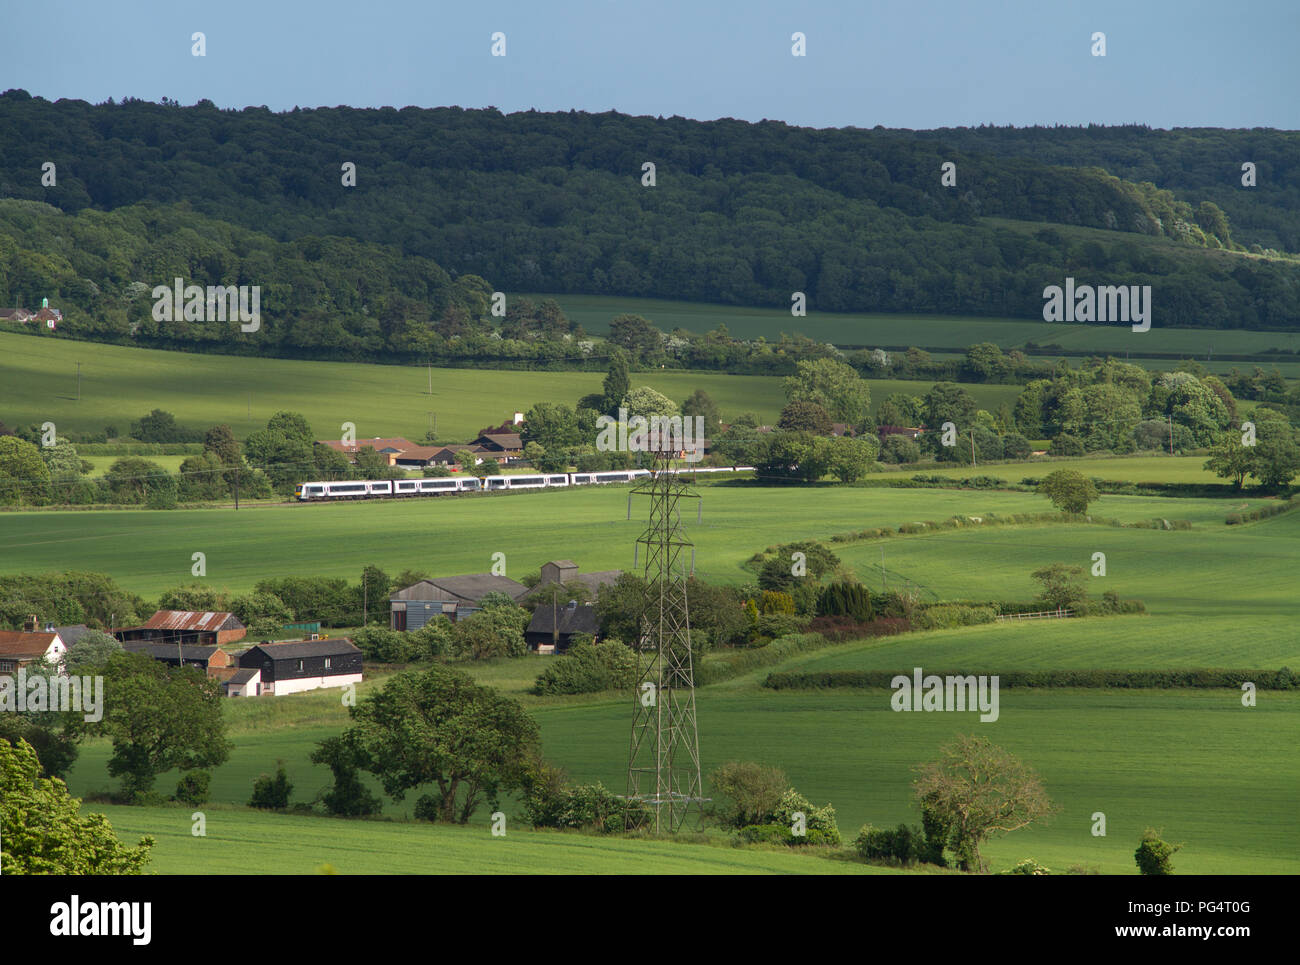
[[1057, 614]]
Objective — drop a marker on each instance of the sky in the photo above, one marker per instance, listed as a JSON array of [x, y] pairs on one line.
[[905, 63]]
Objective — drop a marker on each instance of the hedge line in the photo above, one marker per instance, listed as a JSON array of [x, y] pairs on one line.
[[1264, 512], [742, 661], [1283, 679], [1013, 519]]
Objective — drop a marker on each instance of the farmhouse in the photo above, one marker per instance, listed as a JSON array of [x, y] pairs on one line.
[[552, 628], [289, 668], [21, 648], [451, 596], [208, 629]]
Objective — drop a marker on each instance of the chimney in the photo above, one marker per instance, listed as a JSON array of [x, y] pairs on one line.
[[30, 623], [49, 626], [519, 417]]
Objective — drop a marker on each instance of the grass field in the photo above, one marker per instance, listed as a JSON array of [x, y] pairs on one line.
[[1214, 775], [1134, 469], [38, 383], [149, 551], [924, 331]]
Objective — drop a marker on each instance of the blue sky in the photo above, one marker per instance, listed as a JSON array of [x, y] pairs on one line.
[[906, 63]]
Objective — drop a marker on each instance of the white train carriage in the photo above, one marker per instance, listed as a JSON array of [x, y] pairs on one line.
[[349, 489]]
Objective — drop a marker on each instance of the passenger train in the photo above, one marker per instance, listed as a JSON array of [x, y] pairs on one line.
[[379, 488]]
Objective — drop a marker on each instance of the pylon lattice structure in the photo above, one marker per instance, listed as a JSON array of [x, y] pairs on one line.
[[663, 770]]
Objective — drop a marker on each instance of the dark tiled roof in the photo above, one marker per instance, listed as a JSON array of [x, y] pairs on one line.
[[296, 650], [472, 587], [581, 619], [72, 634], [243, 675]]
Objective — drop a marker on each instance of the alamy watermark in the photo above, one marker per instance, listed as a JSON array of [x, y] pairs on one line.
[[1105, 303], [216, 303], [38, 693], [951, 693]]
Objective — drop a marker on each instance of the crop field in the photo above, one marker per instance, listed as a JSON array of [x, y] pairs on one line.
[[149, 551], [1134, 755], [1132, 469], [120, 384], [924, 331]]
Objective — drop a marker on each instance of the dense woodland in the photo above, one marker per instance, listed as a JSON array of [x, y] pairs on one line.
[[451, 204]]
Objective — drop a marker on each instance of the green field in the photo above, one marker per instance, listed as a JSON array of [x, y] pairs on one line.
[[38, 383], [149, 551], [1133, 755], [925, 331], [1132, 469]]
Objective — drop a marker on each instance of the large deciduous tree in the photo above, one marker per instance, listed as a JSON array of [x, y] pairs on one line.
[[439, 727], [978, 790]]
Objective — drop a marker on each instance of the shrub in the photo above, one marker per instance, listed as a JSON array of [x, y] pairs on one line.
[[882, 844], [782, 834], [589, 668], [193, 787], [270, 792], [1154, 855], [820, 819], [389, 646], [948, 616], [552, 804], [1027, 867], [750, 792], [774, 625], [843, 598]]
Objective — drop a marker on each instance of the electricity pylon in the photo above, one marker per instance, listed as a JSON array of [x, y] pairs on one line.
[[663, 770]]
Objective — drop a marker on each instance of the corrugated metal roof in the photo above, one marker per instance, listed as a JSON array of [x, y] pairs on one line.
[[187, 620]]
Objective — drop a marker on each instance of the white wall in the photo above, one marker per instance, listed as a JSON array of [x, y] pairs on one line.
[[283, 687]]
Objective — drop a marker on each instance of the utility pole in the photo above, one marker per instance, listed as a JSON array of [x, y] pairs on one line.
[[972, 447], [555, 626], [1171, 433], [365, 600], [430, 377], [236, 490]]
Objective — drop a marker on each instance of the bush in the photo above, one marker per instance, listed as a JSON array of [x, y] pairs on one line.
[[590, 807], [193, 787], [588, 668], [843, 598], [750, 792], [948, 616], [881, 844], [820, 819], [774, 625], [782, 834], [1154, 855], [842, 629], [272, 793], [1027, 867], [389, 646]]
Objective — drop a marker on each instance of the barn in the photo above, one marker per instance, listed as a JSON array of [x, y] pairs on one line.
[[290, 668]]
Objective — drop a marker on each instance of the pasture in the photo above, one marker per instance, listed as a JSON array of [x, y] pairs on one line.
[[924, 331], [1142, 757], [149, 551], [119, 384]]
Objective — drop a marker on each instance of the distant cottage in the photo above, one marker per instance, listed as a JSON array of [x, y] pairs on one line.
[[454, 597], [290, 668]]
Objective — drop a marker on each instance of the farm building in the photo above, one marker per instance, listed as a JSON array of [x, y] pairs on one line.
[[385, 447], [566, 571], [290, 668], [552, 628], [450, 596], [207, 659], [207, 629], [912, 432], [71, 634], [500, 445], [21, 648], [420, 456]]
